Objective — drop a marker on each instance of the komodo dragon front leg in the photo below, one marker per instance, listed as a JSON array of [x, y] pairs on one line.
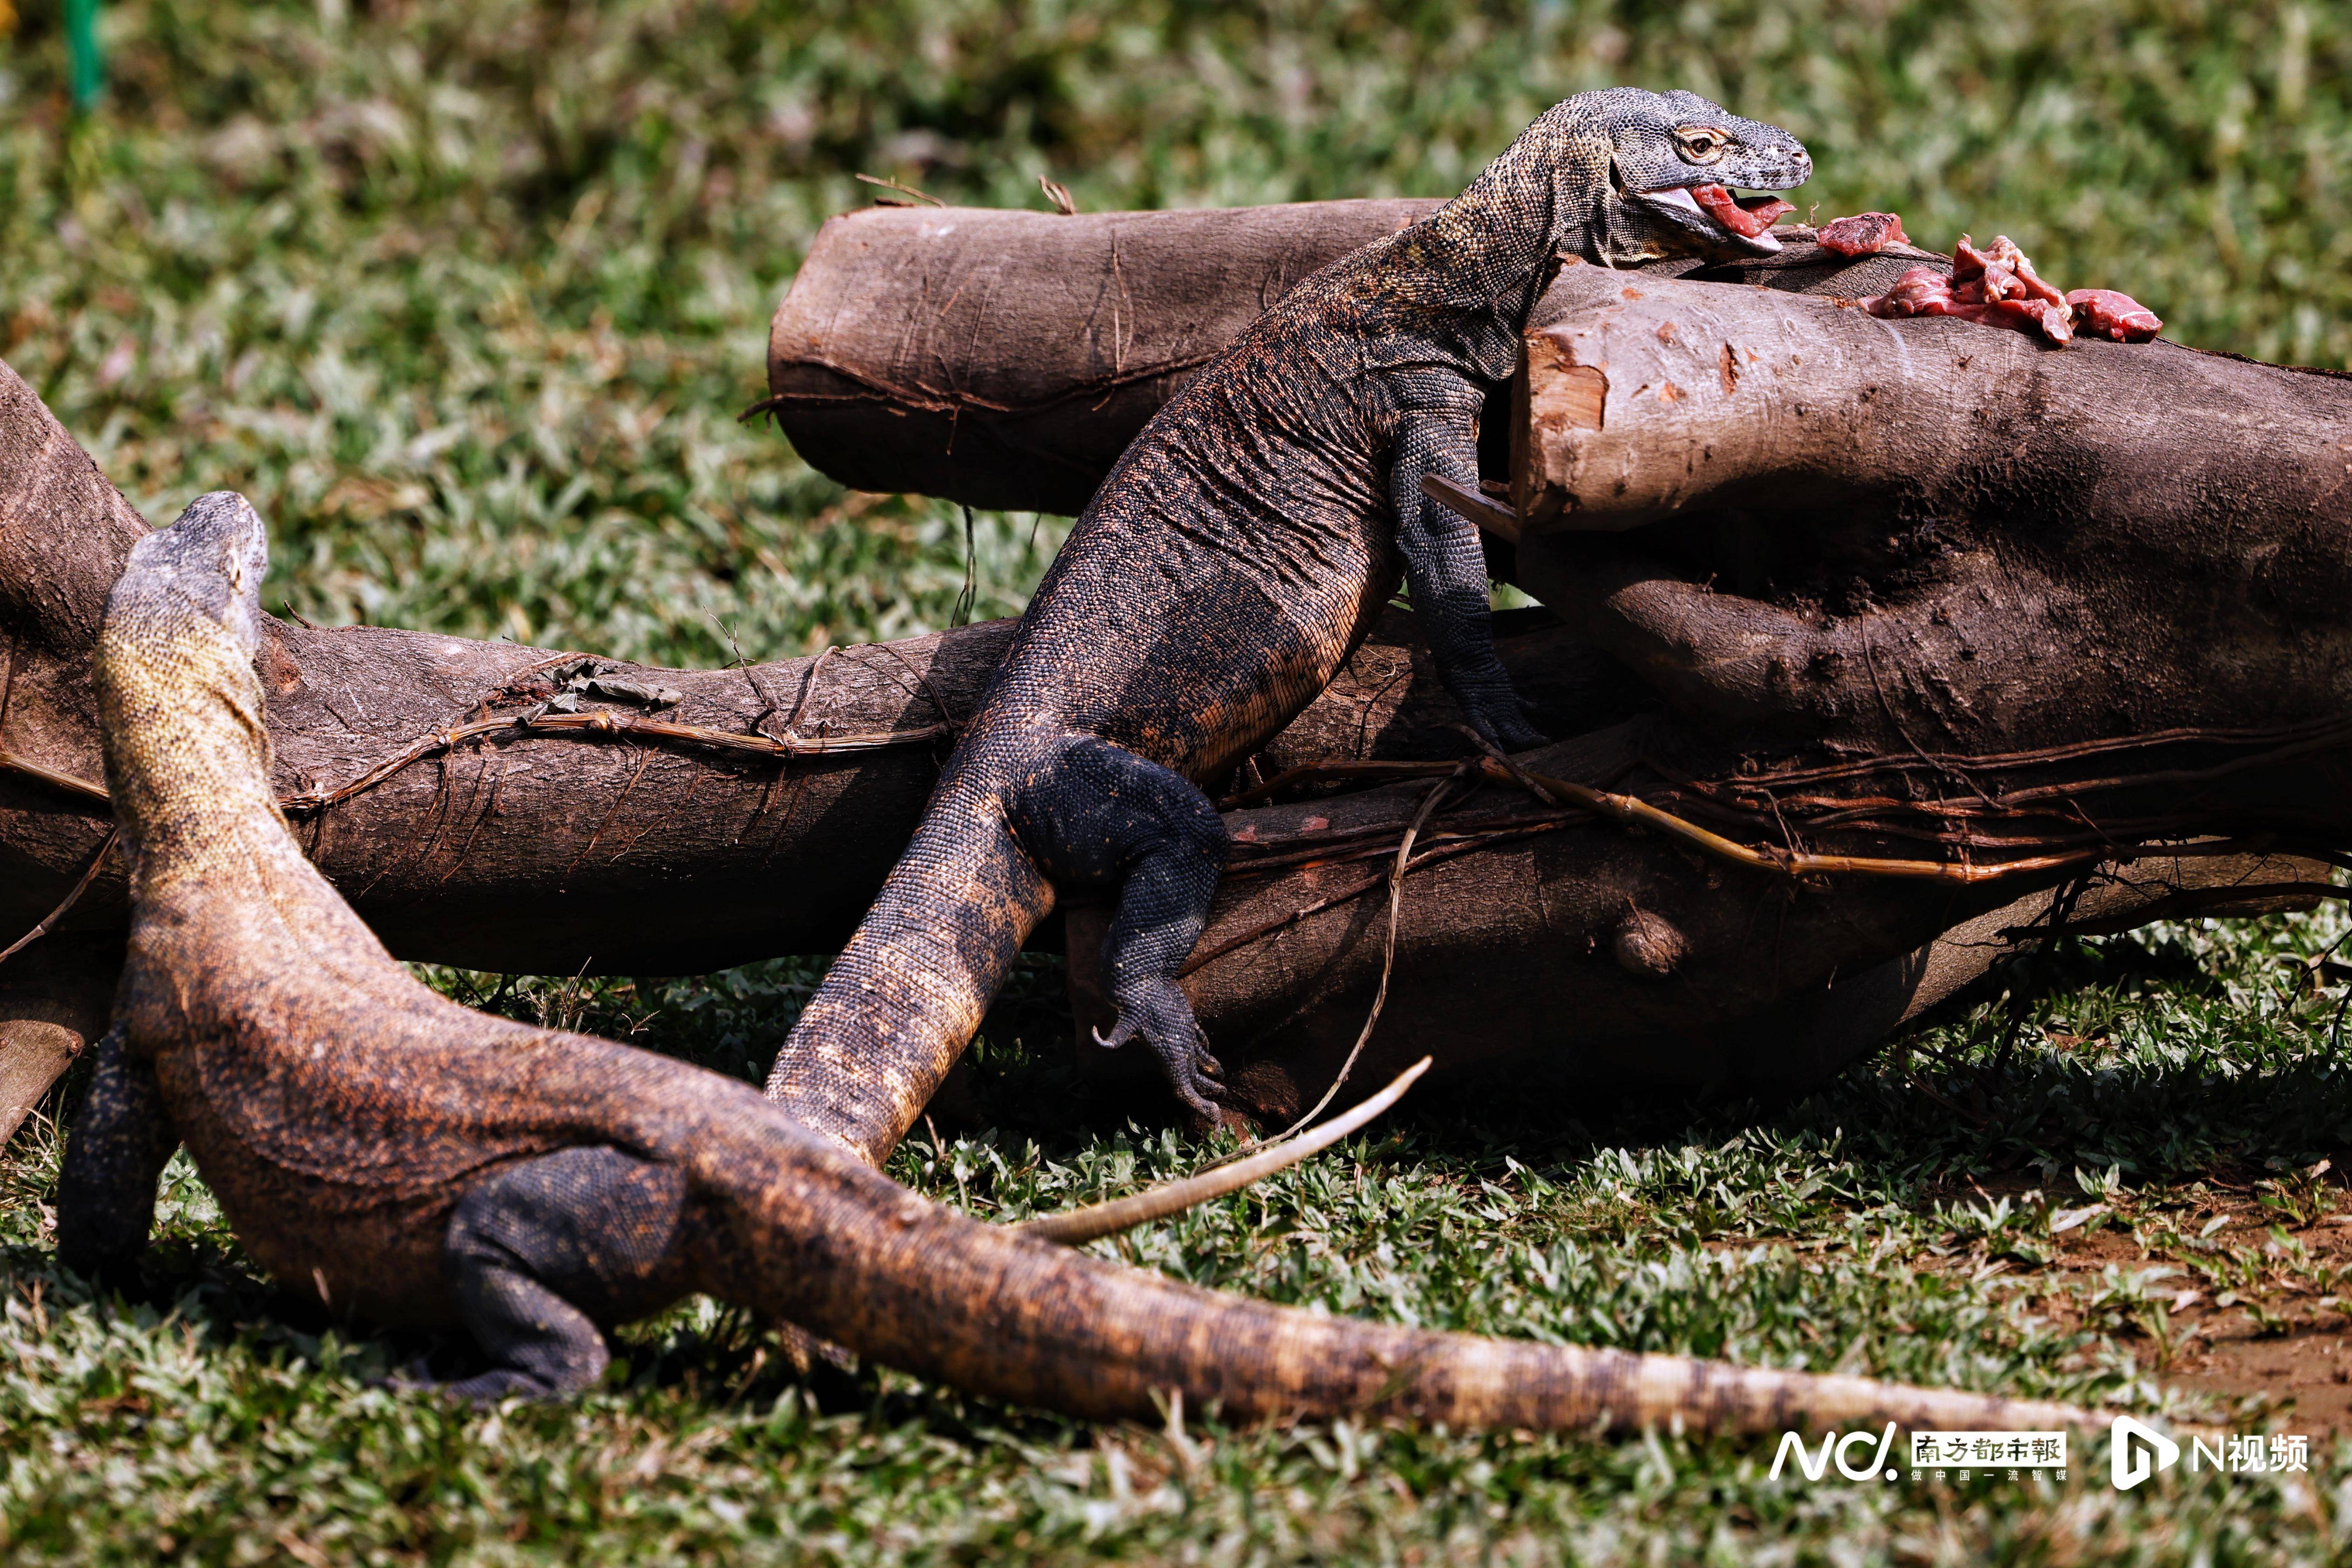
[[1444, 564], [410, 1161], [1219, 578]]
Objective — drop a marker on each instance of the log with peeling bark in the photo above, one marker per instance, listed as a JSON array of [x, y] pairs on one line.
[[1006, 358], [1795, 518]]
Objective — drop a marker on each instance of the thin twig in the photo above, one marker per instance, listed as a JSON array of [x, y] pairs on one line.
[[1519, 775], [808, 689], [767, 704], [12, 762], [1460, 845], [954, 724], [1309, 772], [1096, 1220], [54, 915], [601, 722], [2028, 966], [2187, 903], [9, 687], [1387, 956], [2316, 731], [1629, 811], [644, 760], [971, 593], [909, 190], [1870, 662]]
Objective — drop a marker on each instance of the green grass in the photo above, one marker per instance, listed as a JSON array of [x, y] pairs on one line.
[[465, 296]]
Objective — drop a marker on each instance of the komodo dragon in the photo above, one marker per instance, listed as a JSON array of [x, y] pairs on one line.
[[1218, 579], [413, 1162]]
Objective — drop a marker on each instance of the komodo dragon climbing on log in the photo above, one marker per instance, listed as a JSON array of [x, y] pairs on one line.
[[1219, 578], [413, 1162]]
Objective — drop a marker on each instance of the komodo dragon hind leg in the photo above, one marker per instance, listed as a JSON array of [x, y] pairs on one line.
[[1100, 818], [544, 1254]]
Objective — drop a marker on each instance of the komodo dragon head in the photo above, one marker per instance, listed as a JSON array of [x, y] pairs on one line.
[[1635, 175]]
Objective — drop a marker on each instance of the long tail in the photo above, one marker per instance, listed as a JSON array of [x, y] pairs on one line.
[[907, 993], [814, 1237]]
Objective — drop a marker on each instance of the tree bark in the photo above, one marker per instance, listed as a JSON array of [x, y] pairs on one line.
[[1517, 952], [1006, 358], [1794, 518]]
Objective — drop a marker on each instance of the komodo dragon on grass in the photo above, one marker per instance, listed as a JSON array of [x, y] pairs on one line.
[[1221, 576], [413, 1162]]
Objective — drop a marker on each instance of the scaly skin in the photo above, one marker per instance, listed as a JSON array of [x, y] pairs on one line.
[[1222, 573], [415, 1163]]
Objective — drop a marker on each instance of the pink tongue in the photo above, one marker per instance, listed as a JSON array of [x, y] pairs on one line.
[[1747, 222]]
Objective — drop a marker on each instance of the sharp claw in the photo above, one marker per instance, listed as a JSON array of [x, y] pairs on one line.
[[1118, 1036]]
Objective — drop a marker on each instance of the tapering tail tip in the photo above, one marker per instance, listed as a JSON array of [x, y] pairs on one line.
[[837, 1249]]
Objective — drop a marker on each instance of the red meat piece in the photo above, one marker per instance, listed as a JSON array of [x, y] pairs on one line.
[[2017, 278], [2108, 313], [1921, 291], [1864, 234], [1996, 286]]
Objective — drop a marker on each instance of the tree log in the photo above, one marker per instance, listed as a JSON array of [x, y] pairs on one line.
[[1795, 518], [620, 851], [1918, 592], [1006, 358], [1514, 952]]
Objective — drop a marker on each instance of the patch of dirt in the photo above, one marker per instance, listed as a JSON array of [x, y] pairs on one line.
[[2299, 1361], [2283, 1336], [2307, 1375]]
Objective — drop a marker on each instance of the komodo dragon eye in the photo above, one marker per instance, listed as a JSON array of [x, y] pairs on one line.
[[1705, 145]]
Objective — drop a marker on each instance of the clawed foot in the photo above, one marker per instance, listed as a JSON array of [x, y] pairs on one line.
[[1158, 1011], [1506, 724]]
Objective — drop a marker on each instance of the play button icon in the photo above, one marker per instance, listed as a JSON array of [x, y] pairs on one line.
[[2136, 1452]]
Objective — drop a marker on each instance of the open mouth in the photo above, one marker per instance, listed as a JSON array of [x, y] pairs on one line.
[[1746, 218]]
